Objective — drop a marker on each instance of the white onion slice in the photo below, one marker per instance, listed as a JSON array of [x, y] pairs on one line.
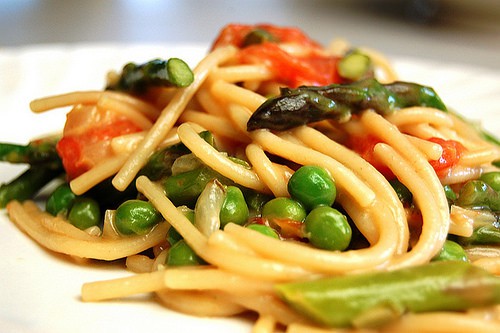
[[208, 206]]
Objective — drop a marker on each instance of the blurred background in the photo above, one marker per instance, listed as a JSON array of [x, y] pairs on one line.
[[459, 31]]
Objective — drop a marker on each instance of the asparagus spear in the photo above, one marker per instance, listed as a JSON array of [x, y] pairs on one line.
[[26, 185], [45, 165], [295, 107], [477, 194], [372, 299], [41, 151], [486, 228], [135, 78], [160, 163], [258, 36]]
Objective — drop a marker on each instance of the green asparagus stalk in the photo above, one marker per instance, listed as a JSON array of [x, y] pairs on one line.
[[355, 66], [26, 185], [488, 234], [135, 78], [259, 36], [160, 163], [477, 194], [36, 152], [372, 299], [486, 229], [296, 107]]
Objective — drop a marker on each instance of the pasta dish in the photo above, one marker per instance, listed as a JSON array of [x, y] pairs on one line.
[[307, 185]]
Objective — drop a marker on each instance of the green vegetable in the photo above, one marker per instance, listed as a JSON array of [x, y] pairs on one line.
[[160, 163], [264, 229], [181, 254], [404, 194], [487, 136], [478, 195], [484, 234], [138, 79], [486, 227], [451, 251], [284, 208], [37, 152], [136, 217], [258, 36], [296, 107], [355, 66], [492, 179], [188, 176], [184, 188], [27, 184], [60, 201], [372, 299], [234, 208], [327, 228], [312, 186], [84, 213], [255, 201], [173, 235], [450, 194]]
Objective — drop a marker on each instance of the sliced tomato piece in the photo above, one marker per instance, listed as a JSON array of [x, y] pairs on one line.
[[312, 67], [291, 70], [234, 34], [452, 151], [86, 146], [70, 151], [287, 228]]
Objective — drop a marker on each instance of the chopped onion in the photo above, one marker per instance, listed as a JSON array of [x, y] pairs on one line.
[[208, 206]]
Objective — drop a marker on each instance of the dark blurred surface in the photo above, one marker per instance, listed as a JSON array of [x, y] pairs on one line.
[[454, 31]]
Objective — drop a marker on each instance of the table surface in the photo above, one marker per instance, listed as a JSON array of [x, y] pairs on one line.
[[461, 31]]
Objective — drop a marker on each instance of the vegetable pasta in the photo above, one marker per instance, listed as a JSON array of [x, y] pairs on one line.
[[277, 177]]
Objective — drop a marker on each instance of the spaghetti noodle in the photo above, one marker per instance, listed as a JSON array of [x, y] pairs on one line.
[[429, 153]]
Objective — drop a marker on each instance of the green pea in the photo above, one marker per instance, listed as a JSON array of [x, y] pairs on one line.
[[492, 178], [284, 208], [451, 251], [60, 201], [84, 213], [136, 217], [312, 186], [402, 191], [181, 254], [234, 208], [264, 229], [173, 236], [327, 228]]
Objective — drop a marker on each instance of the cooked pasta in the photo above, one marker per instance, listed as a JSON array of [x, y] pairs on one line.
[[414, 187]]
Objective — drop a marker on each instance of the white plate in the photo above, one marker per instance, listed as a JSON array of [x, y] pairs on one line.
[[40, 291]]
